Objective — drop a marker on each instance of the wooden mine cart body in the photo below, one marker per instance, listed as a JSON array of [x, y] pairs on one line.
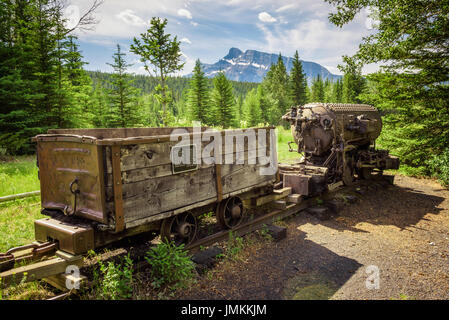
[[123, 178]]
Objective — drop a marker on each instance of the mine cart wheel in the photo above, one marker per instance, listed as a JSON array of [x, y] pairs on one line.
[[366, 173], [230, 212], [181, 229]]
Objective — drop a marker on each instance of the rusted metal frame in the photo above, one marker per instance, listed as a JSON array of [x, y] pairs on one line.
[[38, 250], [118, 192]]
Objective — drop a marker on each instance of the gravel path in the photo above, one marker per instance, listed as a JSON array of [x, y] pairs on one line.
[[400, 230]]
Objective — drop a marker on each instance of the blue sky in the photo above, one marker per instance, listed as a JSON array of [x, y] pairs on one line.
[[207, 29]]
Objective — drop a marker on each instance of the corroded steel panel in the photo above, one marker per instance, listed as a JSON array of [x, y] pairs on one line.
[[71, 177], [72, 237]]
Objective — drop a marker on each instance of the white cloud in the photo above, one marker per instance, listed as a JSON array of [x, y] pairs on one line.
[[185, 13], [286, 7], [130, 18], [266, 17], [316, 40], [193, 23], [186, 40], [188, 66]]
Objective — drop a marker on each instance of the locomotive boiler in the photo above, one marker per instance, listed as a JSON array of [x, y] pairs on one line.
[[337, 143]]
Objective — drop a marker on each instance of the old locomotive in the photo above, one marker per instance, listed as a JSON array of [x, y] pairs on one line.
[[337, 142]]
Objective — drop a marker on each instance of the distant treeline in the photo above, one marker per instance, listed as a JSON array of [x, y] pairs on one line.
[[178, 85]]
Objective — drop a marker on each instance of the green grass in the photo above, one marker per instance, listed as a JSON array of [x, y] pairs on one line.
[[18, 175], [285, 136], [16, 217], [17, 222]]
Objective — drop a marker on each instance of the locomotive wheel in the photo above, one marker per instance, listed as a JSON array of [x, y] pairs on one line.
[[230, 212], [181, 229]]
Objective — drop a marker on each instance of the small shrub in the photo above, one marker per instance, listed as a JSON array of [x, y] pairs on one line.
[[117, 279], [235, 245], [170, 265], [439, 166], [265, 232]]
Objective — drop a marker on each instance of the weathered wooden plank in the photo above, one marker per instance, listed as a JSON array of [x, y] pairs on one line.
[[237, 176], [117, 189], [145, 155], [20, 196], [163, 170], [37, 270], [279, 194], [280, 204], [154, 196], [294, 198], [60, 281]]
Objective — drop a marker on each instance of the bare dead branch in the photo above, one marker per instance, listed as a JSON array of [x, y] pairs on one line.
[[87, 21]]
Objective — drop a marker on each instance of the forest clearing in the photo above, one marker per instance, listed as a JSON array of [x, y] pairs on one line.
[[311, 165]]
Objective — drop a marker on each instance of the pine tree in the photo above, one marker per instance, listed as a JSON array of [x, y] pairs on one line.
[[337, 91], [276, 88], [297, 82], [124, 110], [223, 102], [328, 90], [198, 101], [317, 94], [99, 107], [353, 81], [251, 109]]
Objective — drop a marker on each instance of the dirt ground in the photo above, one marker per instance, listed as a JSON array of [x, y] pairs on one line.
[[400, 231]]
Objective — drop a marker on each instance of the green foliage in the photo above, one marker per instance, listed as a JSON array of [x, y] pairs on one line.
[[117, 279], [198, 101], [277, 97], [439, 166], [353, 82], [42, 84], [297, 82], [170, 265], [234, 246], [124, 110], [317, 90], [265, 232], [156, 49], [412, 87], [251, 109], [223, 102]]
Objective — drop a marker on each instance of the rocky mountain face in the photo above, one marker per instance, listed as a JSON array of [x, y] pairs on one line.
[[252, 65]]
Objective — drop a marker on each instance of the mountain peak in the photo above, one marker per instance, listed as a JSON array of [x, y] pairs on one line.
[[233, 53], [253, 65]]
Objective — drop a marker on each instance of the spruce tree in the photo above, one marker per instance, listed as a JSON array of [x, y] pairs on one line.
[[337, 91], [276, 87], [251, 109], [223, 102], [198, 101], [297, 82], [353, 81], [317, 94], [124, 110]]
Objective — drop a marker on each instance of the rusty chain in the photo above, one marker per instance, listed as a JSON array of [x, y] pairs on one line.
[[8, 260]]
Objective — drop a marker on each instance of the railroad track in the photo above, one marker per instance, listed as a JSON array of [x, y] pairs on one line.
[[249, 226]]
